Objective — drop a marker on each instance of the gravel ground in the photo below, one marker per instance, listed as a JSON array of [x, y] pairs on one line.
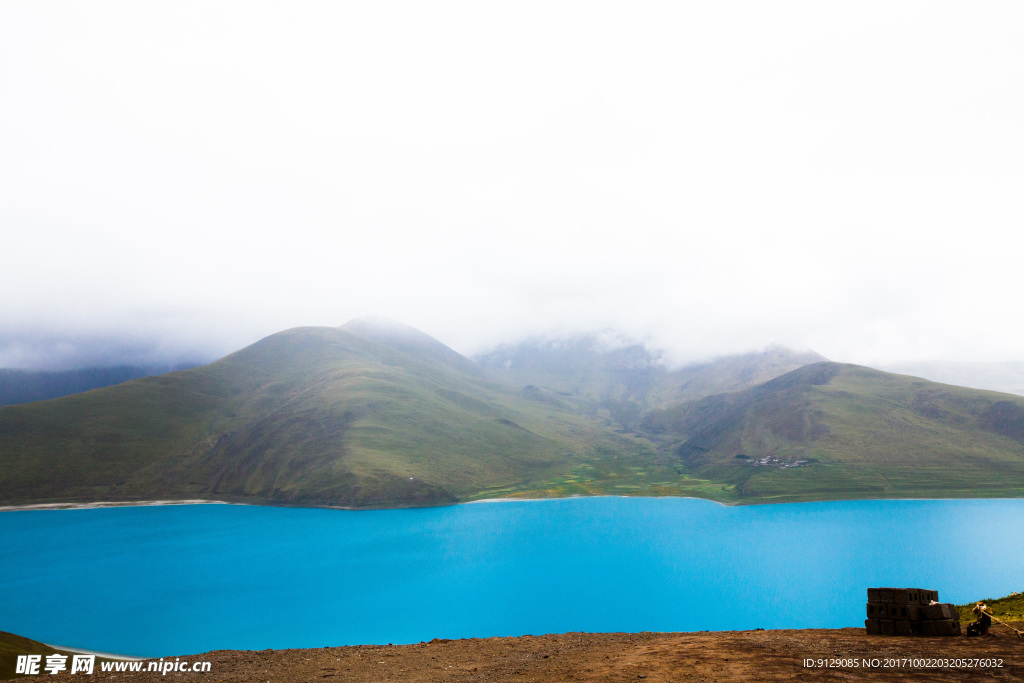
[[707, 656]]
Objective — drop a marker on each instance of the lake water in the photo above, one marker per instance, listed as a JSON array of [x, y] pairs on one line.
[[159, 581]]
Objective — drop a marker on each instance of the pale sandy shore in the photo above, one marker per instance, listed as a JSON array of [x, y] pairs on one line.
[[502, 500], [110, 504], [102, 655], [201, 501], [531, 500]]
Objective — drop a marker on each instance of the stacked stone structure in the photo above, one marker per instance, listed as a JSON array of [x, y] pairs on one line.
[[910, 612]]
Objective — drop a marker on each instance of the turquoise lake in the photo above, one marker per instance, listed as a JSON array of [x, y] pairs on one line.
[[158, 581]]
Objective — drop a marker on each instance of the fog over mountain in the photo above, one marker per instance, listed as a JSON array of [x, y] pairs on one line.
[[182, 180], [67, 351], [25, 386], [1005, 377]]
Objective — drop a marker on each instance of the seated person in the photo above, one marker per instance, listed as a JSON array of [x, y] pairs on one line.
[[983, 624]]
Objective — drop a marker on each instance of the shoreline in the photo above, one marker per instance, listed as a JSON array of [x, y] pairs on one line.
[[99, 655], [203, 501], [112, 504], [609, 495]]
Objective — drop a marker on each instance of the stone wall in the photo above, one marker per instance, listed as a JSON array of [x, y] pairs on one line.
[[910, 612]]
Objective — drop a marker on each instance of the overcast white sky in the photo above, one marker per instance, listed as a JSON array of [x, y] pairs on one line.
[[713, 177]]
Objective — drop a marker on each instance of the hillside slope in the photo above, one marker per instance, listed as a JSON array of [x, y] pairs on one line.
[[605, 376], [25, 386], [363, 415], [841, 431], [1006, 377], [381, 415], [12, 646]]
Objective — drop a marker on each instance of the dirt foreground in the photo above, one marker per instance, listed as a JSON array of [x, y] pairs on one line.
[[838, 655]]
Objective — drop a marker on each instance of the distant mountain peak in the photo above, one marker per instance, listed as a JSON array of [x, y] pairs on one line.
[[769, 353], [407, 339], [388, 331], [380, 324]]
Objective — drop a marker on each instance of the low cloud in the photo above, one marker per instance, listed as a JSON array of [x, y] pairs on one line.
[[710, 179]]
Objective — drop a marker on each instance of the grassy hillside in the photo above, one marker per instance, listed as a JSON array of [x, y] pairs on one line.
[[365, 415], [1006, 377], [830, 430], [375, 414], [11, 646], [1009, 609]]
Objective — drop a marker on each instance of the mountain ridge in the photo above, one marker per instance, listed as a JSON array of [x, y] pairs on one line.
[[382, 415], [849, 426], [314, 415], [1006, 377], [625, 379]]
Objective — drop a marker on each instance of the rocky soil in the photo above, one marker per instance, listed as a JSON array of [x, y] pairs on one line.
[[714, 656]]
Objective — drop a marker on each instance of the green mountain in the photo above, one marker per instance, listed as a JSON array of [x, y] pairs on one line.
[[362, 415], [831, 430], [376, 414]]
